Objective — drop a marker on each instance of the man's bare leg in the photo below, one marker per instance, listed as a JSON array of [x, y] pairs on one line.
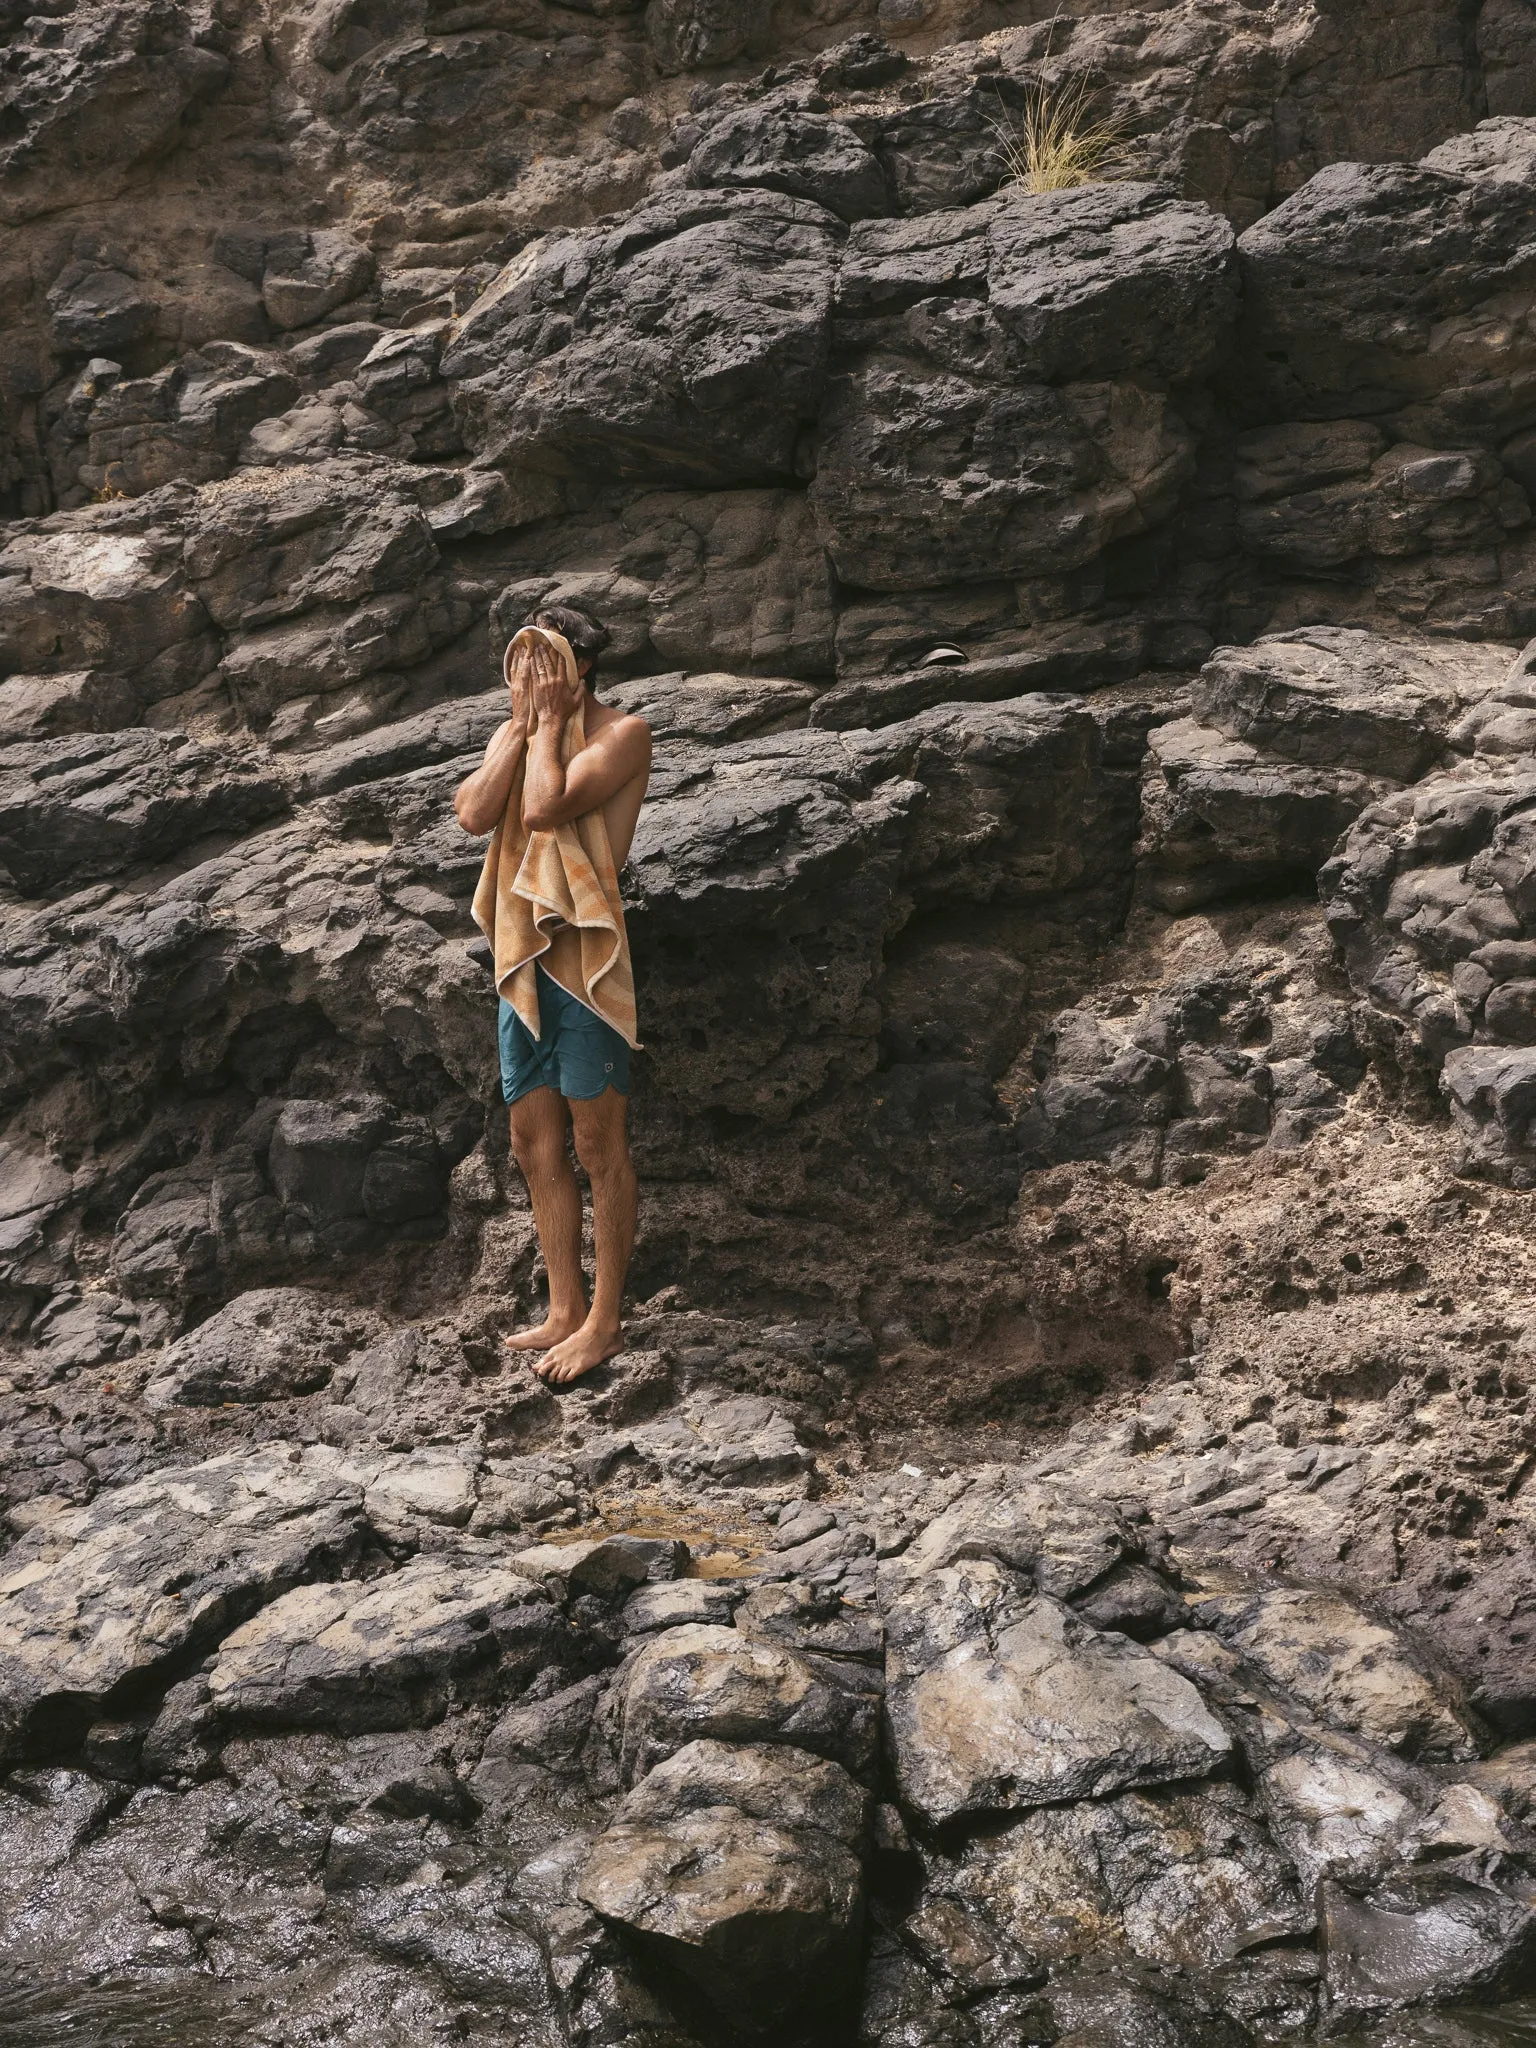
[[538, 1145], [603, 1149]]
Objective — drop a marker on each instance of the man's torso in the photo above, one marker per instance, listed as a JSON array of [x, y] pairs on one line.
[[621, 811]]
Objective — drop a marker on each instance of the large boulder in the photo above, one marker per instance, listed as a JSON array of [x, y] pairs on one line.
[[1386, 364], [340, 1166], [742, 1868], [390, 1652], [1104, 279], [265, 547], [784, 150], [946, 455], [1349, 1668], [706, 1683], [1342, 495], [1062, 1541], [1491, 1093], [1363, 293], [919, 481], [95, 592], [77, 809], [96, 309], [1291, 738], [309, 273], [687, 343], [263, 1346], [998, 1701], [1333, 697], [1346, 1811], [104, 1598]]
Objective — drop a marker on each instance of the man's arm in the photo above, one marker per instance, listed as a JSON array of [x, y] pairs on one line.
[[553, 793], [481, 799]]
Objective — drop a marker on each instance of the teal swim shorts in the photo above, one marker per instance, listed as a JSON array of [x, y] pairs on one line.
[[577, 1053]]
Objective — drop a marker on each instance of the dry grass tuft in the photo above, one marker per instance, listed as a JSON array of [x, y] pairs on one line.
[[1056, 141]]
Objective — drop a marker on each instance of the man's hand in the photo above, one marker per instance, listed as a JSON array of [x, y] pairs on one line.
[[555, 696], [517, 669]]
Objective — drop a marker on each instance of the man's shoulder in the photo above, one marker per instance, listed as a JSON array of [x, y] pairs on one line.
[[620, 728]]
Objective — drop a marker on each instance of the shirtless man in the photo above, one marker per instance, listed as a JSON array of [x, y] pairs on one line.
[[576, 1073]]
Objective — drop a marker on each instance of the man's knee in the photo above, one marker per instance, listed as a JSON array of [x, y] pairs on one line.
[[601, 1144], [538, 1146]]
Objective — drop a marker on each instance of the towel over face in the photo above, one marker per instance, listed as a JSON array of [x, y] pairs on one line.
[[551, 898]]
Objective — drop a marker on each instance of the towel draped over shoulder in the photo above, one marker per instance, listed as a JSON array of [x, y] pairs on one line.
[[551, 898]]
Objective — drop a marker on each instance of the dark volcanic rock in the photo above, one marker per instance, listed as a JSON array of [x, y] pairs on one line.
[[1329, 697], [1423, 1935], [1184, 1879], [97, 1602], [1396, 253], [1210, 1066], [696, 35], [1220, 816], [264, 1346], [75, 809], [86, 106], [688, 343], [1427, 902], [919, 479], [1107, 279], [128, 435], [717, 1685], [902, 508], [784, 150]]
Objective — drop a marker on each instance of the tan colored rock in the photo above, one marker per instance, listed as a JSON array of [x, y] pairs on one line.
[[997, 1701], [710, 1683], [1349, 1668], [98, 1597], [741, 1866], [388, 1652]]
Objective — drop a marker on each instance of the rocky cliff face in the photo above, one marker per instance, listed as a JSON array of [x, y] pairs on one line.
[[1054, 1565]]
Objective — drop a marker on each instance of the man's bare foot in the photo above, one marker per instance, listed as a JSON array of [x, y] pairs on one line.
[[553, 1330], [578, 1354]]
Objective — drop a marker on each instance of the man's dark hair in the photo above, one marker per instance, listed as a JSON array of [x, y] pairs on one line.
[[587, 637]]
